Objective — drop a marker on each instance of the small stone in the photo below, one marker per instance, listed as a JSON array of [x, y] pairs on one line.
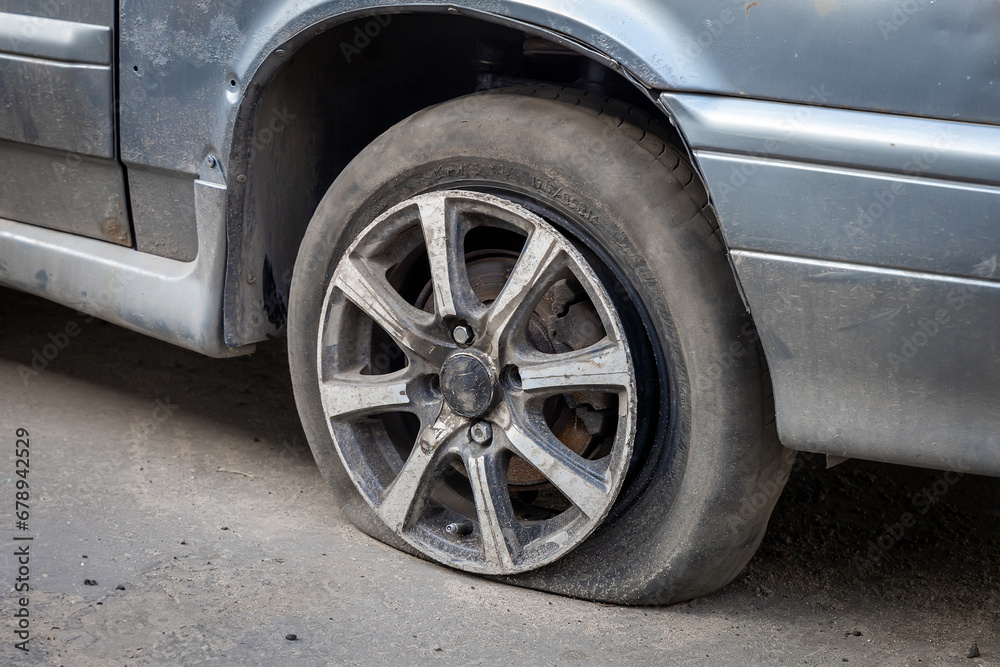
[[291, 637], [100, 603], [973, 651], [119, 587], [89, 582], [857, 633], [184, 542], [438, 648], [225, 528]]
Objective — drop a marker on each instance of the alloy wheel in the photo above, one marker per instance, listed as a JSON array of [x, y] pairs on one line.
[[477, 381]]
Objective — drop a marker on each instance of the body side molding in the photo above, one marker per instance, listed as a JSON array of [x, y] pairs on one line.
[[838, 137], [854, 215], [55, 39]]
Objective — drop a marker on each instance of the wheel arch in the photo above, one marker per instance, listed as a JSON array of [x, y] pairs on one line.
[[281, 114]]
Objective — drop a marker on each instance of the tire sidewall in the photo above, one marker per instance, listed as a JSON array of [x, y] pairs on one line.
[[669, 540]]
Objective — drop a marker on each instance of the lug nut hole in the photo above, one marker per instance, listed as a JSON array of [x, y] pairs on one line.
[[512, 378]]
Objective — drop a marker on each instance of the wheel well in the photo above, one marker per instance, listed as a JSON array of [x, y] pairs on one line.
[[323, 97]]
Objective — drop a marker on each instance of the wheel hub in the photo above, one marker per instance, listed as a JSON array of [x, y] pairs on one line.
[[469, 383]]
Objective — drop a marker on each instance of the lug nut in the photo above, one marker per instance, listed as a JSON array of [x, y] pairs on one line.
[[481, 433], [462, 528], [462, 334]]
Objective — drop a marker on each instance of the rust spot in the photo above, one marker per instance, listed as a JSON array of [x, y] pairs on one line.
[[824, 7], [114, 231], [751, 4]]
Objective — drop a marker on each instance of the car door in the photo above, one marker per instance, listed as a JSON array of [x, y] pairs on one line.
[[58, 147]]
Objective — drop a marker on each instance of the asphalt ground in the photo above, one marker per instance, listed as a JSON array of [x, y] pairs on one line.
[[182, 489]]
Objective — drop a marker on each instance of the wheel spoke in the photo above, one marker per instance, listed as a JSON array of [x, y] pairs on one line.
[[409, 486], [364, 395], [412, 486], [494, 511], [385, 306], [538, 261], [576, 478], [442, 241], [602, 365]]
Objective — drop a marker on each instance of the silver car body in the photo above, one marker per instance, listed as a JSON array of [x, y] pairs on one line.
[[851, 149]]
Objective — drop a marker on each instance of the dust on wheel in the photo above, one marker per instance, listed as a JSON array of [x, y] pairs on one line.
[[477, 382]]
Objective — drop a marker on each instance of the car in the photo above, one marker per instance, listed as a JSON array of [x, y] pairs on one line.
[[565, 284]]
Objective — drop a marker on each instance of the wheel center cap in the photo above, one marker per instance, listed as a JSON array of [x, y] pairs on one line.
[[468, 383]]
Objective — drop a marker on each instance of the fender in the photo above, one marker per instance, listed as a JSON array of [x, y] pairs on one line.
[[204, 64]]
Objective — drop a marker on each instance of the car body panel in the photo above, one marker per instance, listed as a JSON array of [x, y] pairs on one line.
[[57, 119], [65, 106], [878, 363], [82, 195], [867, 249]]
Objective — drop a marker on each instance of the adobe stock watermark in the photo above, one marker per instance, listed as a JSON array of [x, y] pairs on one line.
[[794, 119], [280, 119], [767, 491], [92, 139], [746, 344], [42, 356], [928, 328], [569, 5], [714, 28], [162, 411], [61, 339], [738, 12], [293, 450], [923, 502], [363, 36], [32, 26], [883, 200], [900, 16]]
